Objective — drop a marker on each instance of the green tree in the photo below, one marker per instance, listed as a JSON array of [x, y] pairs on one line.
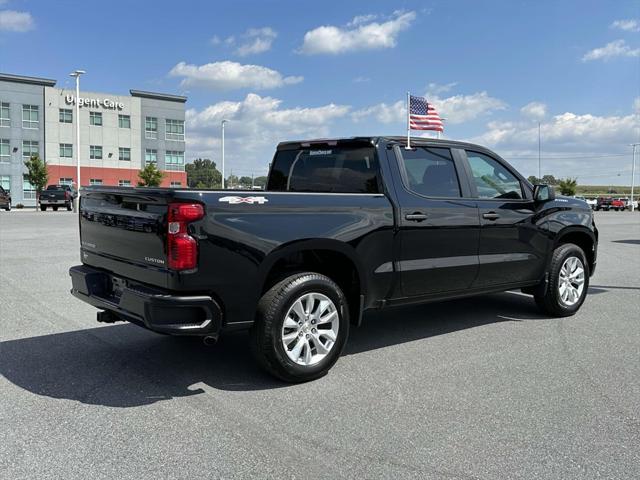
[[150, 176], [549, 180], [260, 182], [245, 182], [37, 174], [533, 180], [202, 173], [568, 186], [232, 181]]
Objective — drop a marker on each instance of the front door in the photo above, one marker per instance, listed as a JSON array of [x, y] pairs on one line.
[[512, 247], [439, 227]]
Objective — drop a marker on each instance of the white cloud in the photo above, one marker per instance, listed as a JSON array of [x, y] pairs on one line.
[[229, 75], [256, 125], [627, 25], [617, 48], [256, 40], [361, 79], [636, 105], [455, 109], [534, 110], [357, 35], [436, 88], [12, 21]]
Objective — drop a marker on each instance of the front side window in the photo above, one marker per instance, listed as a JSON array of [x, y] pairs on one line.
[[431, 172], [95, 181], [66, 115], [124, 121], [30, 148], [174, 129], [66, 181], [174, 160], [5, 150], [95, 152], [492, 179], [150, 127], [95, 118], [337, 169], [150, 156], [5, 120], [66, 150], [124, 183], [5, 182], [28, 190], [30, 116], [124, 153]]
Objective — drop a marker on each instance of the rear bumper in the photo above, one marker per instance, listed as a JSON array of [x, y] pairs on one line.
[[149, 307]]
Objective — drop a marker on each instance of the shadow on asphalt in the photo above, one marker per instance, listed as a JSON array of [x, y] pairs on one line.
[[633, 241], [124, 365]]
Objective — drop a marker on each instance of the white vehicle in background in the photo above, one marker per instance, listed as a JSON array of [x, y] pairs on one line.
[[589, 201]]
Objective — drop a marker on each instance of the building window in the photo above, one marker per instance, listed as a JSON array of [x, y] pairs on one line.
[[66, 150], [124, 121], [150, 127], [66, 181], [66, 115], [176, 184], [28, 190], [150, 156], [124, 153], [124, 183], [30, 116], [174, 160], [95, 118], [29, 149], [95, 181], [5, 120], [95, 152], [5, 150], [5, 182], [174, 129]]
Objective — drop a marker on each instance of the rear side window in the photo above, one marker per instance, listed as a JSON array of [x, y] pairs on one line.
[[492, 179], [328, 169], [431, 172]]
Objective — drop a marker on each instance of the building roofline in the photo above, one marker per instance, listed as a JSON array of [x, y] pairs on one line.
[[9, 77], [158, 96]]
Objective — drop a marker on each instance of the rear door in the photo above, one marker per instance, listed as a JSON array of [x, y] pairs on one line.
[[439, 227], [512, 246]]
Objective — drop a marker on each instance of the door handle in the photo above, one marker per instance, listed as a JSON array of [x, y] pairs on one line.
[[491, 216], [415, 216]]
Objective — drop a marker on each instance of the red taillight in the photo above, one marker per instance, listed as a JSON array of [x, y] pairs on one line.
[[182, 249], [66, 195]]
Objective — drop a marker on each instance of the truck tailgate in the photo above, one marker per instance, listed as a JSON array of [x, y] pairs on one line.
[[124, 231]]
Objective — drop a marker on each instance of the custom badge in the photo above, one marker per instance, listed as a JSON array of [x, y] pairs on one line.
[[236, 200]]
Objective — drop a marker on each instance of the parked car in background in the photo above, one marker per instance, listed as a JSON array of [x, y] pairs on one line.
[[5, 199], [603, 203], [592, 202], [343, 226], [56, 196], [619, 204]]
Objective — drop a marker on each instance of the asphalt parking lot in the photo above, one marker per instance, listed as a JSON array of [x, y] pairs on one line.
[[477, 388]]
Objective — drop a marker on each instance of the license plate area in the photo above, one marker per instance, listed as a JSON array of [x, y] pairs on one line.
[[117, 287]]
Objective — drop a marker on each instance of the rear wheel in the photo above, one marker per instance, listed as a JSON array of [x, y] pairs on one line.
[[69, 208], [8, 207], [55, 208], [301, 327], [43, 207], [568, 282]]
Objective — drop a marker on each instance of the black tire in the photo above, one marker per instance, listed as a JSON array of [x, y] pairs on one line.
[[548, 300], [55, 208], [43, 207], [7, 208], [266, 332], [69, 208]]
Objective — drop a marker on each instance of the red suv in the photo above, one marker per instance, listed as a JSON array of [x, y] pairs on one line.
[[5, 199]]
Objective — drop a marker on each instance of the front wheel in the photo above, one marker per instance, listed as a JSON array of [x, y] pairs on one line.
[[301, 327], [43, 208], [568, 282]]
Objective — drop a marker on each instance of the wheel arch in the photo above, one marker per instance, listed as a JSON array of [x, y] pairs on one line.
[[333, 258], [582, 237]]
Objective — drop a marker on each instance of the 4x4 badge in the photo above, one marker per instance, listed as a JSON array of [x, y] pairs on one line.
[[235, 200]]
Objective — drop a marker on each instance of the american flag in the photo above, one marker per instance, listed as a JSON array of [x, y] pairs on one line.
[[423, 115]]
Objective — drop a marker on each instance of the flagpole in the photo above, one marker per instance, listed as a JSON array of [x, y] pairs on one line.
[[408, 124]]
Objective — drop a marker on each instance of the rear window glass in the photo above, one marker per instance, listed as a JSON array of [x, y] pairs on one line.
[[431, 172], [325, 170]]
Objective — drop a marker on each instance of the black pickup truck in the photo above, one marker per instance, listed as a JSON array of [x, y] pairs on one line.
[[56, 196], [343, 227]]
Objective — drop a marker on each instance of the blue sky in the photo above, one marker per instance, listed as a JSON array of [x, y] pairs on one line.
[[280, 70]]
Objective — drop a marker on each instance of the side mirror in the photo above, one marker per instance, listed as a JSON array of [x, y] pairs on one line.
[[543, 193]]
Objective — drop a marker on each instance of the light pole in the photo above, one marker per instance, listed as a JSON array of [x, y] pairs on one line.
[[77, 73], [222, 126], [539, 156], [633, 172]]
